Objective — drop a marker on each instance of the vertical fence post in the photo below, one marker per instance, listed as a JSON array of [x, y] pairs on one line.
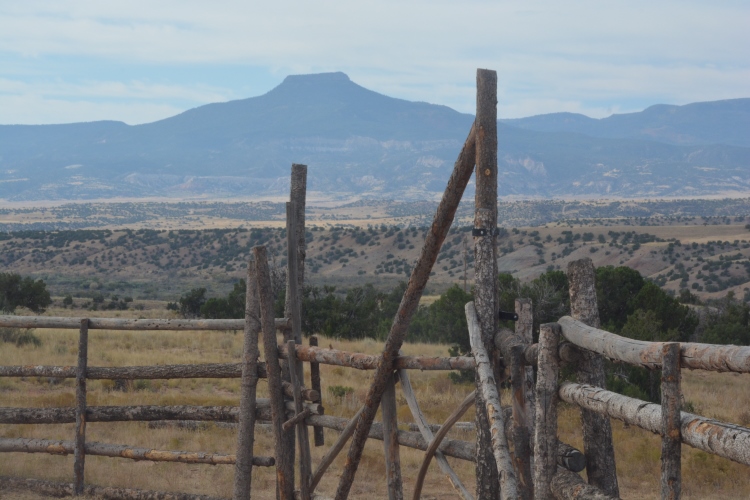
[[80, 441], [485, 266], [597, 429], [521, 438], [525, 330], [671, 440], [318, 435], [248, 385], [545, 440], [390, 441], [303, 441], [284, 457]]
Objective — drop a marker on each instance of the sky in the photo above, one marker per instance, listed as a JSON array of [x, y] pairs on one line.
[[141, 61]]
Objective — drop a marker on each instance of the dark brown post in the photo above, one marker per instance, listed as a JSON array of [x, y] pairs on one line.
[[390, 442], [485, 261], [248, 385], [80, 441], [671, 439], [436, 235], [284, 457], [597, 429], [521, 437], [315, 383], [303, 440], [546, 443], [298, 196]]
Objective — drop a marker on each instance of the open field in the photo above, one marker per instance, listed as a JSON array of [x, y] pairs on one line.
[[722, 396]]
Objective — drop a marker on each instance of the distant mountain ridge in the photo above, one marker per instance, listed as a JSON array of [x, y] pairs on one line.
[[360, 142]]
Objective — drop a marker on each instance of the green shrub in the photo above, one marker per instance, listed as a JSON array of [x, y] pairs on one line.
[[19, 337]]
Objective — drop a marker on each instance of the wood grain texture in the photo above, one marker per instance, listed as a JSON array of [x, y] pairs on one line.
[[389, 411], [546, 443], [671, 441], [80, 436]]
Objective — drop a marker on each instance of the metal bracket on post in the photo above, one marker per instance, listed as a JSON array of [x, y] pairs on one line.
[[507, 316], [480, 231]]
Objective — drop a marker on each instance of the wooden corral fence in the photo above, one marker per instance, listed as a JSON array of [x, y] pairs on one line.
[[517, 453]]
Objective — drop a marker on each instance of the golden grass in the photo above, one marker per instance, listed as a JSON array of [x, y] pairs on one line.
[[722, 396]]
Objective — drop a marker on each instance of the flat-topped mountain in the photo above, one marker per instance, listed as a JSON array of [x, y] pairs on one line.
[[357, 141]]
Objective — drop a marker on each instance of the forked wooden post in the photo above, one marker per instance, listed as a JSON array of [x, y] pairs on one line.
[[545, 441], [671, 438], [284, 457], [485, 255], [597, 429], [248, 385], [303, 440], [80, 441], [521, 436], [390, 442], [318, 435]]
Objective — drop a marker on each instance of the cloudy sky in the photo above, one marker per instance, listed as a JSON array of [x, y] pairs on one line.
[[139, 61]]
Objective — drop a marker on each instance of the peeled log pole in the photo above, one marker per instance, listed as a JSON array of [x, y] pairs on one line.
[[508, 484], [64, 323], [318, 435], [370, 362], [248, 385], [23, 445], [303, 440], [58, 489], [569, 486], [409, 304], [80, 438], [712, 436], [389, 410], [545, 441], [520, 428], [671, 443], [284, 464], [597, 429], [719, 358]]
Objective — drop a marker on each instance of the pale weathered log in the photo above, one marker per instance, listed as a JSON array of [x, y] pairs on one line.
[[23, 445], [435, 443], [520, 428], [546, 443], [284, 464], [144, 413], [59, 489], [63, 323], [346, 432], [433, 428], [409, 303], [485, 261], [712, 436], [720, 358], [303, 441], [525, 329], [318, 435], [597, 429], [566, 485], [80, 436], [508, 482], [390, 442], [248, 385], [671, 442], [427, 433]]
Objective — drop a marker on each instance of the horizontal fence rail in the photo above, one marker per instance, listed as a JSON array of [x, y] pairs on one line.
[[65, 323], [719, 358]]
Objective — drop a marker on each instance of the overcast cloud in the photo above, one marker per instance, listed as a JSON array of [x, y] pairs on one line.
[[138, 61]]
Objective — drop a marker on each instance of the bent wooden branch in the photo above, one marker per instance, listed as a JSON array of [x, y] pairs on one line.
[[409, 303], [508, 483], [719, 358], [713, 436]]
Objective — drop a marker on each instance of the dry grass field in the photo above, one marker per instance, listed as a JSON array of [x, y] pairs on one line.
[[723, 396]]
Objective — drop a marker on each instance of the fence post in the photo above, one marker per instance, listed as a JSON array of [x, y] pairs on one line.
[[248, 385], [545, 441], [303, 440], [597, 429], [485, 267], [318, 434], [284, 456], [525, 330], [390, 441], [521, 437], [671, 439], [80, 441]]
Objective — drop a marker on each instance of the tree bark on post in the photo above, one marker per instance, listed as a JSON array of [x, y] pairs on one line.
[[409, 303], [521, 436], [248, 385], [283, 455], [80, 441], [485, 257], [525, 330], [671, 439], [390, 442], [597, 429], [545, 442], [318, 435]]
